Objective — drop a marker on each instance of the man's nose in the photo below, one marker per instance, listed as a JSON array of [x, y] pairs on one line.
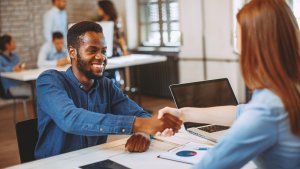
[[101, 57]]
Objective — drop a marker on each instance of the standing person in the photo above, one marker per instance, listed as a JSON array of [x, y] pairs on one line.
[[267, 129], [55, 20], [79, 108], [10, 62], [53, 54], [108, 12]]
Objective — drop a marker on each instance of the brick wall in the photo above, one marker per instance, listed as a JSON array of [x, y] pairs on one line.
[[23, 19]]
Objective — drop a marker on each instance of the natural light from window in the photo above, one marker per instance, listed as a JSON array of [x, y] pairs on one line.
[[159, 23]]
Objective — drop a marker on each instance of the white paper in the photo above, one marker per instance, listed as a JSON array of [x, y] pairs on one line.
[[190, 153]]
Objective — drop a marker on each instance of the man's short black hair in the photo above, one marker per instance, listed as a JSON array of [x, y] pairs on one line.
[[79, 29], [57, 35], [5, 39]]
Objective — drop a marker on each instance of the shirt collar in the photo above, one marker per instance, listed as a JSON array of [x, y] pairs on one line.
[[8, 58], [73, 78]]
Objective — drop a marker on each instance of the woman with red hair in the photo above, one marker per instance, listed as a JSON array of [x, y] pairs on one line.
[[267, 129]]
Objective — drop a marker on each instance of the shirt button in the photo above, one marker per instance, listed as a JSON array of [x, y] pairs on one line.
[[101, 129], [123, 130]]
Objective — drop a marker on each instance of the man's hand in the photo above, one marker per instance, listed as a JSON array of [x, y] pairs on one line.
[[18, 68], [175, 112], [153, 125], [138, 142]]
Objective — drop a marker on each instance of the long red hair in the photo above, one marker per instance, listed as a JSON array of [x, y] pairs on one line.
[[270, 52]]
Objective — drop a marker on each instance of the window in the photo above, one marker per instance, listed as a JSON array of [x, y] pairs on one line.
[[159, 23], [295, 6], [238, 4]]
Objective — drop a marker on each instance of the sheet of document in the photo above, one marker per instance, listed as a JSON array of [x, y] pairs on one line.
[[190, 153]]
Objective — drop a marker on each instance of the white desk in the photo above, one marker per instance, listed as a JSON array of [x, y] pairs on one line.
[[115, 151], [31, 75], [113, 63]]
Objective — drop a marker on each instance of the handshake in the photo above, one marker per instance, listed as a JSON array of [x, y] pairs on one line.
[[166, 122]]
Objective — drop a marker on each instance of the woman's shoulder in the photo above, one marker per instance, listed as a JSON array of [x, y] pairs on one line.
[[266, 100], [266, 96]]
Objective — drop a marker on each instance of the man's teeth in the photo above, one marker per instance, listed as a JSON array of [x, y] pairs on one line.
[[97, 65]]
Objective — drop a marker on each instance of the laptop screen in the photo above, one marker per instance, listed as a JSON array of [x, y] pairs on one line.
[[209, 93]]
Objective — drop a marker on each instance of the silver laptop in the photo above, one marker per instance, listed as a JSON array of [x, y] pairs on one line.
[[203, 94]]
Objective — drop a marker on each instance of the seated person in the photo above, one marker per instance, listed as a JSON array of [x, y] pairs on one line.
[[267, 129], [53, 54], [79, 108], [10, 62]]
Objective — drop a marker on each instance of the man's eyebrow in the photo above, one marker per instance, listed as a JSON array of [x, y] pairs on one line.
[[93, 47]]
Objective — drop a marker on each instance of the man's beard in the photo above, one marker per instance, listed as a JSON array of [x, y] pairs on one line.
[[87, 73]]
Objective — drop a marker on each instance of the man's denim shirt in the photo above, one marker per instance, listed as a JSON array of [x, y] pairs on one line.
[[70, 118]]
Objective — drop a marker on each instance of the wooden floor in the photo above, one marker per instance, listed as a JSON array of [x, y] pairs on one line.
[[9, 154]]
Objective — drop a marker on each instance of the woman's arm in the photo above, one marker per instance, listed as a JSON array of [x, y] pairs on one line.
[[123, 46], [221, 115]]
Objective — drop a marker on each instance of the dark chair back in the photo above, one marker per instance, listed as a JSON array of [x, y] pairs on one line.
[[27, 136], [2, 91]]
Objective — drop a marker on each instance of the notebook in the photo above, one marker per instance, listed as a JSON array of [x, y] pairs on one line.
[[217, 92]]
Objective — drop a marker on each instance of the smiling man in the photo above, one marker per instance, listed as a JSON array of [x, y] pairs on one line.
[[79, 108]]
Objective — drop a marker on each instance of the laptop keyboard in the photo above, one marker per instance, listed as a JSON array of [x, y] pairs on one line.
[[213, 128]]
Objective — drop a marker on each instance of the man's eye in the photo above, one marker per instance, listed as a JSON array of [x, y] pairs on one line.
[[104, 52], [92, 51]]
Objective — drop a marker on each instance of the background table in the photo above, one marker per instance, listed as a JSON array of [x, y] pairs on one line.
[[31, 75], [113, 63]]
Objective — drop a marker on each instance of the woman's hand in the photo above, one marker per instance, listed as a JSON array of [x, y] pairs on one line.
[[173, 111], [170, 110]]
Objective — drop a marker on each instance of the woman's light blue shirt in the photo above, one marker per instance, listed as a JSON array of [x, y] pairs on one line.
[[261, 133]]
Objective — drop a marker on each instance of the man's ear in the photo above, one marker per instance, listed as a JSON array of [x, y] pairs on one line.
[[73, 53]]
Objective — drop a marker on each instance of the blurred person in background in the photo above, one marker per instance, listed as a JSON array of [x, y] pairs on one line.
[[53, 54], [55, 19], [107, 12], [10, 62]]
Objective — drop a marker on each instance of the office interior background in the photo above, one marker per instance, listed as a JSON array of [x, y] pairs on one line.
[[197, 36]]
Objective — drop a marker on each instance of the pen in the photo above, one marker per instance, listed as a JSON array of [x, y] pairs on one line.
[[202, 148]]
